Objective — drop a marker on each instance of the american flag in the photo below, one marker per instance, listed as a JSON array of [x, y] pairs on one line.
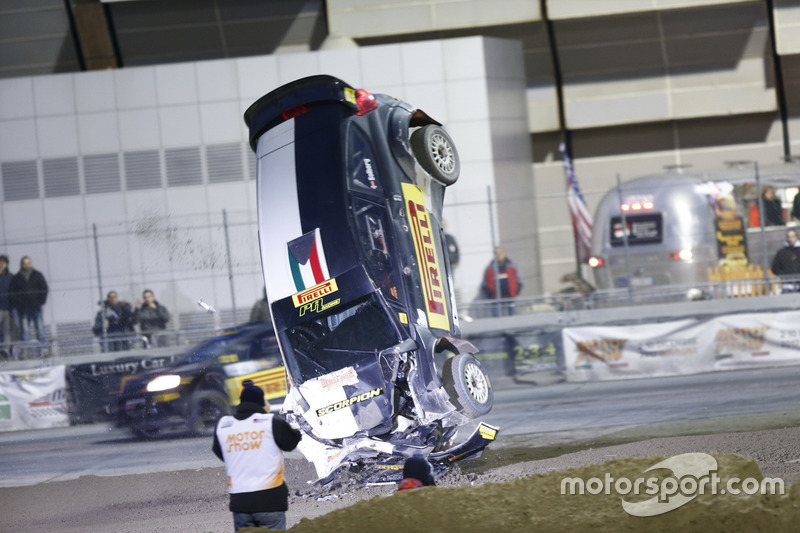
[[581, 218]]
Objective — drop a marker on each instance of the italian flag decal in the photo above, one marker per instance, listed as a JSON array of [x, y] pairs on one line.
[[307, 260]]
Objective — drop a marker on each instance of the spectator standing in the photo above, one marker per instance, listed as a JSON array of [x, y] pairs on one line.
[[501, 274], [796, 207], [151, 316], [260, 311], [786, 262], [250, 443], [114, 324], [773, 208], [27, 294], [5, 308]]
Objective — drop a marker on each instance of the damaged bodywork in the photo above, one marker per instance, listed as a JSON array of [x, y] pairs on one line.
[[350, 195]]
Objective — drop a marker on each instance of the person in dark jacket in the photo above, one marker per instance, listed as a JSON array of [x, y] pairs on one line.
[[773, 208], [501, 274], [151, 316], [416, 473], [251, 443], [5, 308], [786, 262], [27, 294], [114, 323]]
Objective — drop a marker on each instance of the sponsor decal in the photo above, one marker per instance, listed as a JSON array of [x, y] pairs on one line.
[[229, 358], [53, 404], [350, 95], [244, 441], [403, 318], [740, 340], [345, 376], [487, 432], [318, 306], [272, 382], [600, 350], [126, 367], [316, 292], [429, 269], [350, 401], [373, 183], [307, 260], [668, 347]]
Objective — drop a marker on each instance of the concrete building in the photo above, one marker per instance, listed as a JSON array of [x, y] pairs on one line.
[[122, 144]]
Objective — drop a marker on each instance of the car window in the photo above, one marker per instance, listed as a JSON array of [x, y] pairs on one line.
[[265, 347], [362, 168], [341, 339], [374, 236], [237, 345]]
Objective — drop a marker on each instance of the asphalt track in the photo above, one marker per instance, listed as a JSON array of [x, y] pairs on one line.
[[528, 415]]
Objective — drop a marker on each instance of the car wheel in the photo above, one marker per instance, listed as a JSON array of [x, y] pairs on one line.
[[468, 384], [436, 153], [207, 407]]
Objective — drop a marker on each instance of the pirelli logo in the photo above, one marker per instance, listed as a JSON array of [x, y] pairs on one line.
[[350, 401], [315, 292], [429, 270]]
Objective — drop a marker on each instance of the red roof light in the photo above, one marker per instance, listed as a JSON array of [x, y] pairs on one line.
[[365, 101], [293, 112]]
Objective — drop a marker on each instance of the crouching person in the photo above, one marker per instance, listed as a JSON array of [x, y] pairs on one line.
[[251, 443], [417, 472]]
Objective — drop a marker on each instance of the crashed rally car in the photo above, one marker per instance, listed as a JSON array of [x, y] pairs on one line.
[[350, 196]]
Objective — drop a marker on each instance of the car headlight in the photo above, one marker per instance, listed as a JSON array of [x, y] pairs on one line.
[[165, 382]]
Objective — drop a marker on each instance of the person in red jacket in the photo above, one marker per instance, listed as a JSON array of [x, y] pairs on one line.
[[501, 280]]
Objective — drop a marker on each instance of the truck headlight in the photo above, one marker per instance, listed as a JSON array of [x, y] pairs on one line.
[[165, 382]]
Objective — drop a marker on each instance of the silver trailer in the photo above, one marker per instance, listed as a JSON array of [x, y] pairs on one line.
[[666, 229]]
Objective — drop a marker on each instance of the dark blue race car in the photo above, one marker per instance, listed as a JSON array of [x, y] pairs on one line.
[[202, 385], [350, 195]]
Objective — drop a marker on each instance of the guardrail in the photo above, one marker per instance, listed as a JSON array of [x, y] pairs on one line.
[[728, 283], [554, 309], [75, 345]]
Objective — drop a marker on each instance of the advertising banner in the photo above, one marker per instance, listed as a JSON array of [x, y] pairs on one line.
[[518, 354], [681, 347], [94, 386], [33, 399]]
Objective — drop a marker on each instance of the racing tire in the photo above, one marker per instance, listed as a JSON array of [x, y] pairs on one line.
[[468, 385], [436, 153], [207, 407]]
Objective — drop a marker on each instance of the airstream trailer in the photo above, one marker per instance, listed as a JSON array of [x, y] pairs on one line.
[[666, 229]]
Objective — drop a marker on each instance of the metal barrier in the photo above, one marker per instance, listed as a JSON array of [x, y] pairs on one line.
[[731, 285], [77, 345]]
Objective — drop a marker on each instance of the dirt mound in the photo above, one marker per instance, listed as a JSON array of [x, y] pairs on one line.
[[536, 503]]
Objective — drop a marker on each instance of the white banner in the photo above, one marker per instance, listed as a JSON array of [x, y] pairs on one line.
[[682, 347], [33, 399]]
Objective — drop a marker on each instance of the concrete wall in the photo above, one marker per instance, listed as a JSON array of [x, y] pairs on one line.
[[151, 156]]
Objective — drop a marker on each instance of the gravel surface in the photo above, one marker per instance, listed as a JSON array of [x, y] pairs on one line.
[[501, 488]]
